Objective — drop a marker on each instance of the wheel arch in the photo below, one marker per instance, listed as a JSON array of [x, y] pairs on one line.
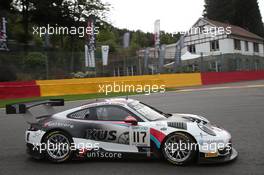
[[183, 132], [196, 153], [56, 129]]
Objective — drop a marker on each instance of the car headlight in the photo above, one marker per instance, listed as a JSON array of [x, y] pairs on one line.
[[207, 129]]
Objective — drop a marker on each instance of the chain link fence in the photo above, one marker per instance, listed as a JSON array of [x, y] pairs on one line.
[[39, 64]]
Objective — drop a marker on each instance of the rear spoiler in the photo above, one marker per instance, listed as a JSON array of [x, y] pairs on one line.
[[23, 108]]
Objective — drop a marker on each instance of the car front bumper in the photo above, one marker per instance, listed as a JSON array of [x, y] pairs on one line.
[[219, 159]]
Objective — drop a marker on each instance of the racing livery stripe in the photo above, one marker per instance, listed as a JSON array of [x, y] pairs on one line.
[[156, 136], [155, 141], [121, 124]]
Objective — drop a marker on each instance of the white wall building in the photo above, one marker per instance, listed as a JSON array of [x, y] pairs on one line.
[[215, 39], [234, 40]]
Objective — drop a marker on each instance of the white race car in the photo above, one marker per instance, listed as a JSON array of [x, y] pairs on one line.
[[118, 128]]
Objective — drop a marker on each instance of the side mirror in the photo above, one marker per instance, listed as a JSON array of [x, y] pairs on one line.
[[131, 120]]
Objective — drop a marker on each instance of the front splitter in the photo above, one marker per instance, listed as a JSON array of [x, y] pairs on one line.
[[220, 159]]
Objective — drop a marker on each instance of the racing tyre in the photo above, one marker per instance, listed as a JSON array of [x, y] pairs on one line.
[[179, 149], [58, 146]]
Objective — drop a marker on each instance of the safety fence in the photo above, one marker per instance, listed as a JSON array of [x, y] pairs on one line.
[[44, 88]]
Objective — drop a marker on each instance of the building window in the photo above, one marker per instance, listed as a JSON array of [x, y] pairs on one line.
[[256, 47], [214, 45], [192, 49], [237, 44], [246, 46], [201, 28]]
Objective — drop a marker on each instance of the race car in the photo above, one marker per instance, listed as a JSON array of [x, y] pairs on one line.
[[119, 127]]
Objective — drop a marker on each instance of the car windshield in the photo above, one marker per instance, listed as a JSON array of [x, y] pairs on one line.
[[149, 112]]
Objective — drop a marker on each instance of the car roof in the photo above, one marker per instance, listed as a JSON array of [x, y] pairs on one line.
[[115, 101]]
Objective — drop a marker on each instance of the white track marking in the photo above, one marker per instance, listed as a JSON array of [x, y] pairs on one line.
[[221, 88]]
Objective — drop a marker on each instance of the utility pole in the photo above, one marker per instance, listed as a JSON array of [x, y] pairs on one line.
[[177, 57], [202, 63], [46, 48]]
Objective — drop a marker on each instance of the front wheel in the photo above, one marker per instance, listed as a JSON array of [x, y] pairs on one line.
[[58, 146], [179, 149]]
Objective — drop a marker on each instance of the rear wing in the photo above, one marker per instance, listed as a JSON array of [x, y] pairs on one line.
[[23, 108]]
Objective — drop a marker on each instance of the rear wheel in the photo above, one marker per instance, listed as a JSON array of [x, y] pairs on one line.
[[179, 149], [58, 146]]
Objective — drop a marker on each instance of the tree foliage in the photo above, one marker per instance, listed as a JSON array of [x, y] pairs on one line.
[[6, 5], [7, 74], [244, 13], [35, 60], [68, 13], [66, 51]]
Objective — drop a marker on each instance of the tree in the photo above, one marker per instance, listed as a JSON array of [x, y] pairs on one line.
[[168, 38], [7, 74], [107, 37], [248, 16], [24, 7], [6, 5], [67, 13], [220, 10], [61, 12], [35, 63], [244, 13]]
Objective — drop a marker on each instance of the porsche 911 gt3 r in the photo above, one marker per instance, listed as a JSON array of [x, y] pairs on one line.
[[121, 127]]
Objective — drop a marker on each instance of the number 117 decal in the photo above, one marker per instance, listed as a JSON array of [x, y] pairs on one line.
[[139, 136]]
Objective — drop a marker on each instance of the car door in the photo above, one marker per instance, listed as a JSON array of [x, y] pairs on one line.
[[114, 134], [102, 126]]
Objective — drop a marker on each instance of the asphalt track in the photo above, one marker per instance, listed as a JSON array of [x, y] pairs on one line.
[[238, 108]]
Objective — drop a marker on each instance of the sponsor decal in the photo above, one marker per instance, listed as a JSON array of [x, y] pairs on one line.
[[140, 136], [163, 129], [124, 138], [58, 124], [99, 134], [108, 136], [210, 141], [213, 154], [99, 154]]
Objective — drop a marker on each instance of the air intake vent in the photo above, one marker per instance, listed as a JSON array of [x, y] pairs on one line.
[[195, 120], [179, 125]]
